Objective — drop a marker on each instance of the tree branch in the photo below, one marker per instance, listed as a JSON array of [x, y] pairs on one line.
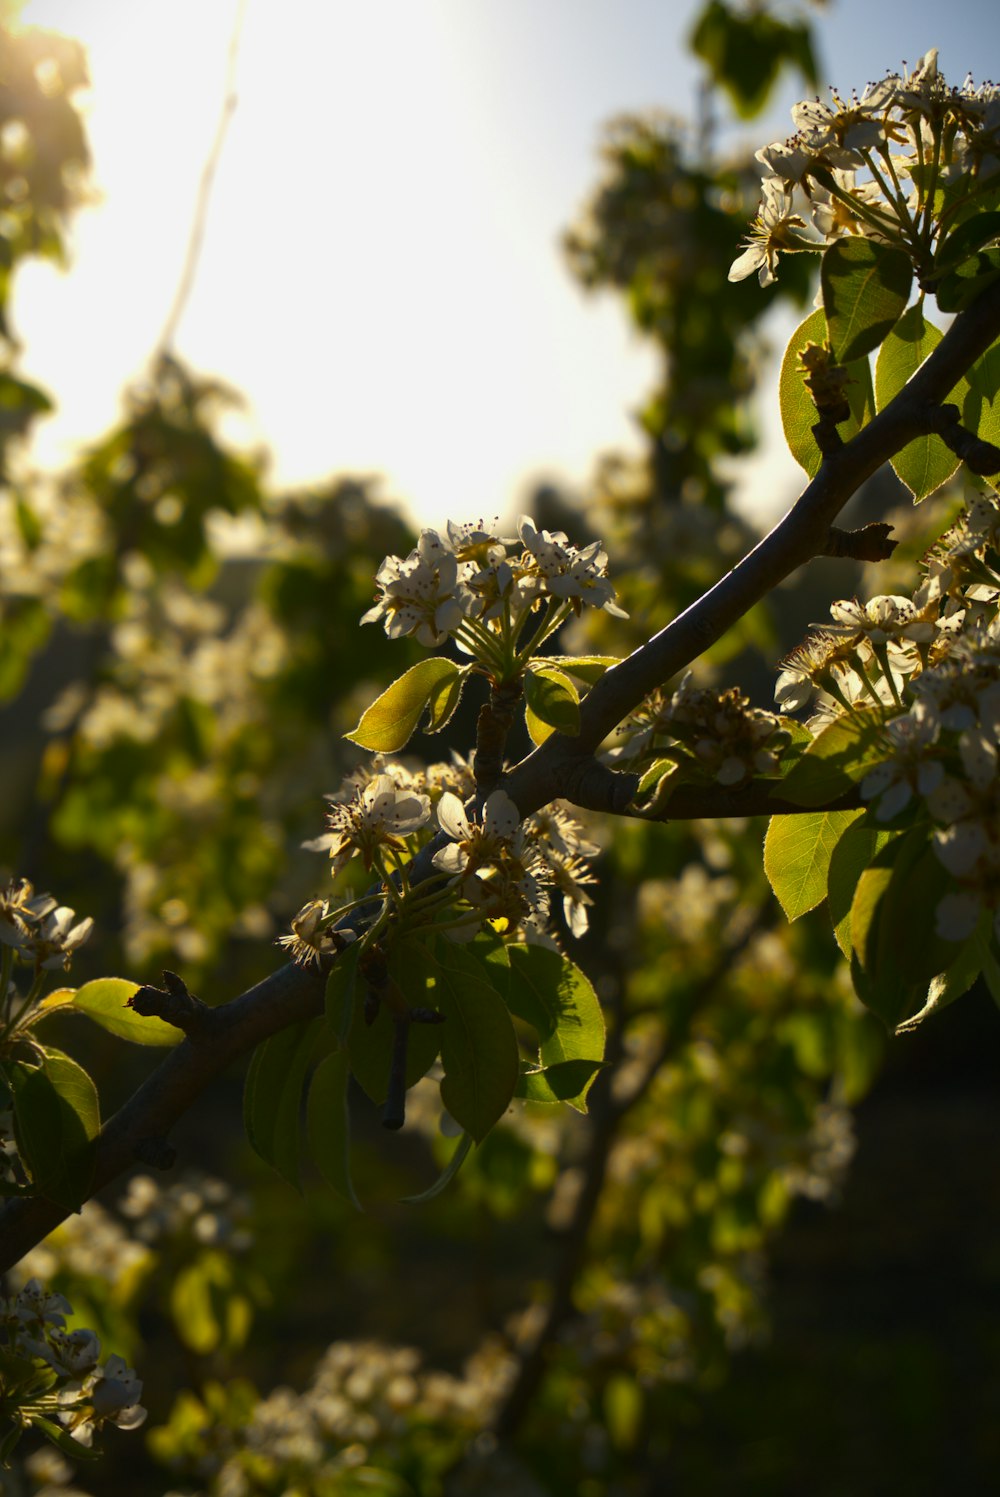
[[561, 768], [139, 1128], [802, 534]]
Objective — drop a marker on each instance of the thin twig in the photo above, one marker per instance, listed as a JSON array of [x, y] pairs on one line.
[[200, 219]]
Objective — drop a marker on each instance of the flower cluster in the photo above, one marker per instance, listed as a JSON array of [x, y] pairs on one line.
[[370, 1409], [55, 1377], [372, 821], [492, 865], [718, 734], [930, 665], [42, 932], [898, 165], [496, 867], [478, 588]]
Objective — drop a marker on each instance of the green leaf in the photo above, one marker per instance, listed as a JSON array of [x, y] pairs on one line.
[[478, 1046], [550, 993], [566, 1081], [586, 668], [207, 1310], [56, 1123], [835, 761], [552, 701], [444, 699], [329, 1124], [798, 410], [947, 986], [272, 1095], [390, 720], [446, 1176], [341, 988], [797, 853], [856, 849], [105, 1000], [925, 463], [964, 241], [981, 411], [960, 289], [865, 290], [896, 896], [744, 52], [370, 1045]]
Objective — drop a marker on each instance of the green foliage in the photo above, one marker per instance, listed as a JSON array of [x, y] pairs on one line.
[[925, 463], [837, 758], [56, 1123], [797, 854], [387, 725], [551, 702], [106, 1002], [746, 52], [272, 1095], [865, 290], [798, 410], [329, 1123]]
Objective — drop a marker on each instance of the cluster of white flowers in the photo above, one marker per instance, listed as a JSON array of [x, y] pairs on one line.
[[494, 867], [55, 1374], [932, 664], [43, 933], [875, 166], [449, 584], [370, 1409], [197, 1207], [498, 866], [719, 733]]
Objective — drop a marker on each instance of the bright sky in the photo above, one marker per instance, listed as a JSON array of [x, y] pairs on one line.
[[380, 273]]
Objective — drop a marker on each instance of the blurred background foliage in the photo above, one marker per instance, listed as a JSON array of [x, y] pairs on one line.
[[586, 1310]]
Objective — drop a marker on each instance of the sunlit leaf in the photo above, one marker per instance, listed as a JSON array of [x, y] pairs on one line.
[[925, 463], [389, 722], [837, 758], [552, 700], [866, 286], [798, 410], [797, 853], [854, 852], [105, 1000], [587, 668], [56, 1123], [550, 993], [566, 1081]]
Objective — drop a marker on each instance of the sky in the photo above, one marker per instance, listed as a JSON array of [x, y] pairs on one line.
[[380, 273]]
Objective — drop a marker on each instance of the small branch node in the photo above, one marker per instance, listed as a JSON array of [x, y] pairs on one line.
[[175, 1005], [870, 543]]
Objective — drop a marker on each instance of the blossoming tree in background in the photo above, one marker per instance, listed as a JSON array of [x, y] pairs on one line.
[[433, 975]]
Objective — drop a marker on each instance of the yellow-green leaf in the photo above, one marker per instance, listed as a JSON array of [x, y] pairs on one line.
[[925, 463], [390, 720], [552, 701], [797, 853], [865, 290]]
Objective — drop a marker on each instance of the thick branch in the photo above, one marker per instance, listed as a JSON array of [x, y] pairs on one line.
[[755, 798], [291, 994], [801, 535], [562, 768]]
